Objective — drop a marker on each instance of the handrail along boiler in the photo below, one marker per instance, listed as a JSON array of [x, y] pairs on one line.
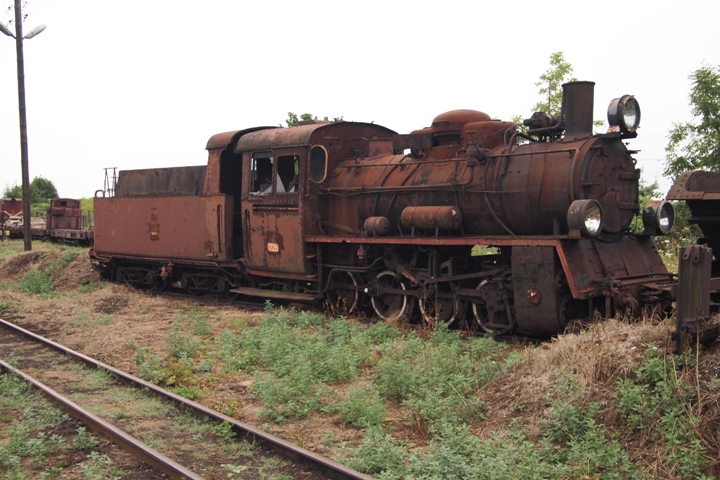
[[361, 217]]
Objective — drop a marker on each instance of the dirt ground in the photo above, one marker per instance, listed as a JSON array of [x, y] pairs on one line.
[[109, 321]]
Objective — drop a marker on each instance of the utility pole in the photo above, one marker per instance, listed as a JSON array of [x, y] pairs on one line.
[[23, 120], [27, 233]]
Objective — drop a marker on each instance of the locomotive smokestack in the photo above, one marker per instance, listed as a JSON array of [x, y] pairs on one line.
[[577, 109]]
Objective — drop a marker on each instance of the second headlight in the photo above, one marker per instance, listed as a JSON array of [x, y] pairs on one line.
[[586, 216], [658, 217]]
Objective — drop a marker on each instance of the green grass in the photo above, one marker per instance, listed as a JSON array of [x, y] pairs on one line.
[[100, 467], [29, 449], [36, 282], [11, 247], [572, 446], [659, 403], [304, 365]]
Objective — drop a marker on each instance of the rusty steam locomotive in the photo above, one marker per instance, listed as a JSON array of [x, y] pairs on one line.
[[361, 217]]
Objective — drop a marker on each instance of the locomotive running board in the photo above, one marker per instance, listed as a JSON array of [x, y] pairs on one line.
[[259, 292]]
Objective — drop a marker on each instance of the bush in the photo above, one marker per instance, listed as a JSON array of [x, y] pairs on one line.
[[437, 379], [379, 453], [36, 282], [361, 407]]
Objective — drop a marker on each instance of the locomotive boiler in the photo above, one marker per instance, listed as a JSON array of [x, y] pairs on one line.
[[470, 222]]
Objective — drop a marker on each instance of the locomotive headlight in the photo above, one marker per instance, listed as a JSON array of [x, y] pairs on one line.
[[624, 114], [658, 216], [586, 216]]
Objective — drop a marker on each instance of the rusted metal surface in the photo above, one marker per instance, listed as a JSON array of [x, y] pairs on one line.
[[64, 214], [161, 182], [431, 217], [577, 110], [337, 208], [181, 227], [697, 184], [331, 468], [693, 299], [319, 133], [701, 191], [692, 310], [124, 440], [538, 291], [516, 190], [72, 234], [377, 226]]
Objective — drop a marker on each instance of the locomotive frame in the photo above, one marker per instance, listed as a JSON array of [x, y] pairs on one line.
[[360, 217]]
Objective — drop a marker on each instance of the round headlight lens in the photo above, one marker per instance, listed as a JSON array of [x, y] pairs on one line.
[[631, 114], [586, 216], [659, 215], [593, 219], [624, 112]]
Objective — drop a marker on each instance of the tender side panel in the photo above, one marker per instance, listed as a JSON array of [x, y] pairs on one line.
[[185, 227]]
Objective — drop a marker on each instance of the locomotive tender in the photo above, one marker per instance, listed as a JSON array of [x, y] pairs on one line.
[[359, 216]]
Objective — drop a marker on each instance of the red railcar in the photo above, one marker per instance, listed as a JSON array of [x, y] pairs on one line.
[[10, 207], [63, 221]]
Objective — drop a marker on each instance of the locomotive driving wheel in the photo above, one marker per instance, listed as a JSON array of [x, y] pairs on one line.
[[390, 301], [490, 313], [438, 303], [343, 294]]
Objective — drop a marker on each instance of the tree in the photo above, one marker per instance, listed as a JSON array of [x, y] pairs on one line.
[[42, 189], [13, 192], [696, 145], [550, 83], [646, 192], [294, 121]]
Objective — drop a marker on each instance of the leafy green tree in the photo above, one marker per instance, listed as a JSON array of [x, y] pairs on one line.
[[294, 121], [42, 189], [696, 145], [550, 84], [646, 192], [12, 192], [550, 89]]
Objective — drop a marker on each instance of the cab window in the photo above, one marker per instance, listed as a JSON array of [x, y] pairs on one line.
[[288, 170], [261, 174]]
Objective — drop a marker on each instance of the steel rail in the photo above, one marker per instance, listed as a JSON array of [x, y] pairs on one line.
[[329, 467], [124, 440]]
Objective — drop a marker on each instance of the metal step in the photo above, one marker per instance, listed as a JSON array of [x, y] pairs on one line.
[[259, 292]]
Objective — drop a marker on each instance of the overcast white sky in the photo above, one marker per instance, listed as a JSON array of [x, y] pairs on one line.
[[141, 84]]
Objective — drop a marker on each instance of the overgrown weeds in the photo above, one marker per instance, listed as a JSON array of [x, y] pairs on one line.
[[660, 405], [29, 448], [36, 282]]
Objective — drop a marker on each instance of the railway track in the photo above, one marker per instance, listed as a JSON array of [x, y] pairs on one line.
[[145, 419]]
